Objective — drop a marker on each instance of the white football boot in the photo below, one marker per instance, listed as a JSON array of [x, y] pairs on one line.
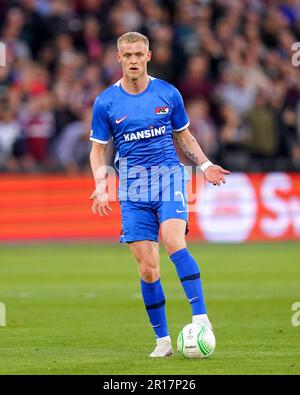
[[163, 348], [202, 319]]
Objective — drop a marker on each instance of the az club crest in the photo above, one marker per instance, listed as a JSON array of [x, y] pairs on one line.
[[161, 110]]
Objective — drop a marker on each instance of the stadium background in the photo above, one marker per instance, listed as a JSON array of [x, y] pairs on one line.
[[232, 62]]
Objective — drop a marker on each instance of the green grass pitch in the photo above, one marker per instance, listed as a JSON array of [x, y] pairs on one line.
[[77, 309]]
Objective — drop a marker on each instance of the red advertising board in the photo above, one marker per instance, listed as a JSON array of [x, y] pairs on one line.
[[250, 207], [247, 207]]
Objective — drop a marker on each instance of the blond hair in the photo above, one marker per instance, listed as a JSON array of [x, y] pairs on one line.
[[132, 37]]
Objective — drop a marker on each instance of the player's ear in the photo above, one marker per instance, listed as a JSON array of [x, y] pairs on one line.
[[149, 56], [119, 57]]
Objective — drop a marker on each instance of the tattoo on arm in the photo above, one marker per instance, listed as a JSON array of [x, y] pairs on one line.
[[185, 148]]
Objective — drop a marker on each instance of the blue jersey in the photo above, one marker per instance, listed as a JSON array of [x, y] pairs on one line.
[[140, 125]]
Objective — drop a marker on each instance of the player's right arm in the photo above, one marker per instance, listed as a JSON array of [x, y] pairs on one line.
[[100, 134], [99, 196]]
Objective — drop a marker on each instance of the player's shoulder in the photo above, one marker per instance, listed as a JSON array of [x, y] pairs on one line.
[[107, 94], [167, 88], [164, 84]]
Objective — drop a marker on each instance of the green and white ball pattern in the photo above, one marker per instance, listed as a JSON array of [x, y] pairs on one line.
[[196, 341]]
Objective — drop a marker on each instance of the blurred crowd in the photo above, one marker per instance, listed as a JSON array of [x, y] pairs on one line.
[[231, 60]]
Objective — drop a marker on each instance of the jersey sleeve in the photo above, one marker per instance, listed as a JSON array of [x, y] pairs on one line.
[[179, 118], [100, 128]]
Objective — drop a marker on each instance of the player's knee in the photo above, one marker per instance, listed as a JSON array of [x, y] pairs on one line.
[[149, 274], [173, 244], [149, 268]]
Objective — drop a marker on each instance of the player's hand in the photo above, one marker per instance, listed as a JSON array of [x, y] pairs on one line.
[[215, 174], [100, 203]]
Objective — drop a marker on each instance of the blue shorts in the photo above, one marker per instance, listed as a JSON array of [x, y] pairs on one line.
[[141, 220]]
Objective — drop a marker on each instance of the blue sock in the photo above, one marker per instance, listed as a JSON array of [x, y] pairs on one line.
[[189, 274], [154, 300]]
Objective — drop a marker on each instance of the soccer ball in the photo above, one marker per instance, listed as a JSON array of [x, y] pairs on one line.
[[196, 341]]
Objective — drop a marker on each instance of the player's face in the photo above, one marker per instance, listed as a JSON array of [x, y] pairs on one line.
[[134, 58]]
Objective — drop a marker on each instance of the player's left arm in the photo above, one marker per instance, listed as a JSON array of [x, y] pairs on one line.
[[189, 146]]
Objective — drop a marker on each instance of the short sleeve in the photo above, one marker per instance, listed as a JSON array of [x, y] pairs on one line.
[[179, 118], [100, 128]]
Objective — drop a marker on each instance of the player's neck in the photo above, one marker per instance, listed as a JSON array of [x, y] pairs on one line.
[[137, 86]]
